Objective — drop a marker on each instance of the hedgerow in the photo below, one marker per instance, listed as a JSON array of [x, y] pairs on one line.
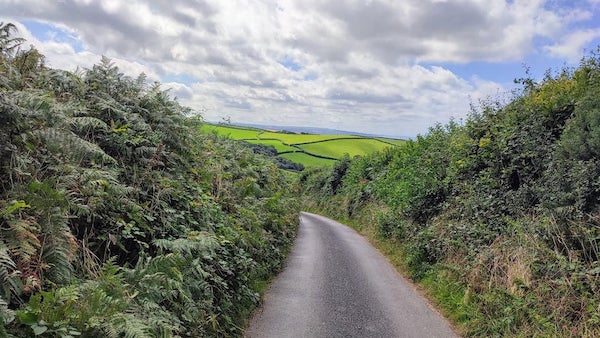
[[499, 216], [118, 218]]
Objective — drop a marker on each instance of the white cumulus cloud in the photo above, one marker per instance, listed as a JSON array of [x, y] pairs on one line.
[[376, 66]]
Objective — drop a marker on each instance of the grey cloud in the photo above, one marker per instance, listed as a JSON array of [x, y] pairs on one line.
[[364, 97], [237, 104], [417, 29], [182, 13], [392, 49], [366, 20], [182, 92], [246, 79], [184, 18], [327, 50], [119, 32], [365, 53], [451, 20], [356, 72]]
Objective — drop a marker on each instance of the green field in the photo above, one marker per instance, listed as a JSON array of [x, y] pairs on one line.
[[308, 160], [353, 147], [231, 132], [393, 141], [304, 146], [301, 138], [280, 147]]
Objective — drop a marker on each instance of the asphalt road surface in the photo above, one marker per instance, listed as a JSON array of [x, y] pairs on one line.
[[335, 284]]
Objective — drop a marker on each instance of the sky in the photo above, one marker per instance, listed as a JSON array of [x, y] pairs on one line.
[[384, 67]]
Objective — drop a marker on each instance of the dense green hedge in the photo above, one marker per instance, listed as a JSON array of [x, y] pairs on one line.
[[499, 215], [117, 218]]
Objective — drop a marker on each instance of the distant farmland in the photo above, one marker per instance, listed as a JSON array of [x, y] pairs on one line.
[[311, 150]]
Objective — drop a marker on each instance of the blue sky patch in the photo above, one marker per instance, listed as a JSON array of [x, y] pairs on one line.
[[180, 78], [504, 72], [310, 77], [290, 64], [47, 32]]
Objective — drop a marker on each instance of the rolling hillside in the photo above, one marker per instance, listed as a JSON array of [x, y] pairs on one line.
[[311, 150]]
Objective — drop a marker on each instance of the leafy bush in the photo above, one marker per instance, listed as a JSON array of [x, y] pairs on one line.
[[505, 207], [118, 218]]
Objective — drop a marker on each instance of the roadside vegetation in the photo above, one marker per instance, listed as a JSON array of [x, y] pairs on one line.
[[117, 217], [309, 150], [498, 218]]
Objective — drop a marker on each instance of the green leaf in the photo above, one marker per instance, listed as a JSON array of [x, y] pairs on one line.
[[38, 329], [14, 206], [28, 318]]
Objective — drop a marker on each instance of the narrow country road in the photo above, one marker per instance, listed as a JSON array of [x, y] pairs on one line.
[[336, 284]]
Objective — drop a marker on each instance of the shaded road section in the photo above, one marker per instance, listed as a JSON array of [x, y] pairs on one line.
[[335, 284]]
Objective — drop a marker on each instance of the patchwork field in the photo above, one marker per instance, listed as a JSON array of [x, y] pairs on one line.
[[338, 147], [393, 141], [231, 132], [279, 146], [311, 150], [308, 160], [302, 138]]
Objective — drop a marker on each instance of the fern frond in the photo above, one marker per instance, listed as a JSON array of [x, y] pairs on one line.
[[164, 322], [59, 246], [162, 263], [110, 108], [64, 83], [59, 140], [196, 243], [145, 151], [26, 243], [58, 259], [84, 125], [7, 268], [22, 244], [138, 122], [6, 315], [10, 283], [41, 109], [129, 326]]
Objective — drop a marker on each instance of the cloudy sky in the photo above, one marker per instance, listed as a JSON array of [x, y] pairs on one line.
[[388, 67]]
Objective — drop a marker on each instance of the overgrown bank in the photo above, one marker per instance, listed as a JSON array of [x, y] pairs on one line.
[[499, 218], [117, 218]]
